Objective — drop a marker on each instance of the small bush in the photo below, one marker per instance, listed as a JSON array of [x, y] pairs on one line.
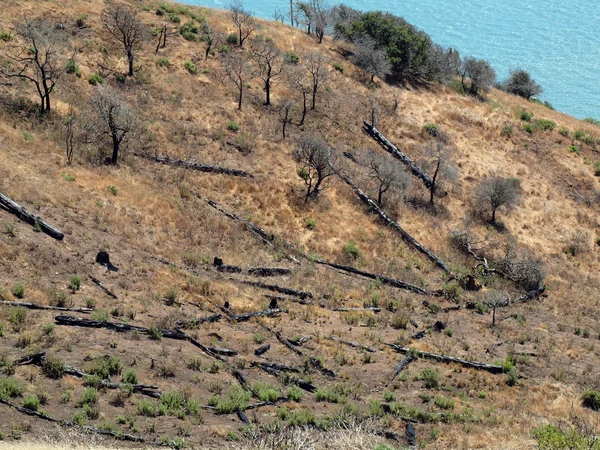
[[564, 132], [163, 62], [190, 67], [91, 411], [237, 400], [112, 189], [430, 129], [90, 303], [174, 18], [311, 224], [18, 290], [233, 126], [351, 250], [338, 67], [265, 392], [526, 116], [330, 395], [544, 124], [53, 367], [591, 399], [597, 168], [507, 131], [80, 21], [75, 283], [400, 321], [190, 31], [574, 149], [195, 363], [443, 402], [10, 388], [155, 334], [232, 39], [528, 128], [100, 315], [95, 79], [130, 376], [147, 408], [59, 298], [295, 394], [17, 316], [72, 68], [31, 402], [79, 418], [5, 36], [430, 377], [172, 400], [89, 396], [389, 396]]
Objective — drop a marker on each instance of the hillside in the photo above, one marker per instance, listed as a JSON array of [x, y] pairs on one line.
[[160, 226]]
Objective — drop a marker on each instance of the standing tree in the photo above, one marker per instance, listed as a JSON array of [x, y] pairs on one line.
[[321, 16], [163, 34], [481, 74], [315, 64], [304, 15], [209, 36], [301, 84], [438, 157], [240, 72], [115, 118], [40, 57], [495, 191], [387, 174], [269, 62], [520, 83], [317, 162], [243, 21], [285, 114], [123, 24], [371, 59], [496, 299]]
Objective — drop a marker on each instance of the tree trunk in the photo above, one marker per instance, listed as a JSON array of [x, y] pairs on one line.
[[379, 195], [240, 97], [372, 78], [303, 109], [433, 185], [241, 41], [18, 210], [268, 91], [494, 215], [292, 12], [196, 166], [314, 98], [284, 125], [115, 153], [130, 61]]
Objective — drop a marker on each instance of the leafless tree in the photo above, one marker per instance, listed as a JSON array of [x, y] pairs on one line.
[[301, 83], [438, 158], [239, 70], [123, 24], [481, 74], [495, 192], [317, 162], [278, 15], [496, 299], [115, 119], [387, 174], [209, 36], [316, 65], [285, 114], [321, 16], [520, 266], [371, 59], [269, 62], [375, 110], [163, 34], [243, 21], [39, 56], [303, 14], [70, 134]]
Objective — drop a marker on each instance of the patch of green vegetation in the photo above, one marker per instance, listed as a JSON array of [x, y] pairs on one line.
[[351, 250], [190, 67], [53, 367], [551, 437], [18, 290], [295, 394], [430, 377], [591, 399], [10, 388], [95, 79]]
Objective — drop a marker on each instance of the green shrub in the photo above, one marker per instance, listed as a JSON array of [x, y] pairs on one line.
[[6, 36], [506, 131], [174, 18], [18, 290], [564, 132], [90, 303], [79, 418], [551, 437], [89, 396], [190, 67], [399, 321], [60, 298], [80, 21], [100, 315], [91, 411], [330, 395], [232, 39], [431, 129], [104, 367], [291, 58], [528, 128], [10, 388], [592, 121], [545, 124], [92, 381], [351, 250], [17, 316], [430, 377], [597, 168], [237, 400], [574, 149], [338, 67], [155, 334], [171, 296], [223, 49], [190, 31], [53, 367], [295, 394], [163, 62], [265, 392], [95, 79], [389, 396], [31, 402], [72, 67], [130, 376], [172, 400], [591, 399], [147, 408], [233, 126], [443, 402], [482, 308], [311, 224], [75, 283], [526, 116], [1, 329], [112, 189]]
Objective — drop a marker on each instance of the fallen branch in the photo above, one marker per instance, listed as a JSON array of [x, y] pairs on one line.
[[276, 288], [222, 351], [407, 237], [13, 207], [262, 350], [98, 283], [289, 299], [352, 344], [195, 166], [401, 365], [268, 271], [44, 307], [188, 323], [372, 276], [248, 316], [448, 359]]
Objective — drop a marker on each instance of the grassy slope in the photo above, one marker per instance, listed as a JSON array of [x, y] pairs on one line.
[[153, 215]]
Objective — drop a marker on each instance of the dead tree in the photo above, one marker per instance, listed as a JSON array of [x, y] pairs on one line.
[[321, 17], [301, 83], [495, 192], [240, 72], [69, 134], [317, 162], [285, 114], [162, 36], [387, 174], [316, 65], [40, 58], [438, 157], [123, 25], [115, 118], [495, 299], [371, 59], [269, 62], [209, 36], [243, 21]]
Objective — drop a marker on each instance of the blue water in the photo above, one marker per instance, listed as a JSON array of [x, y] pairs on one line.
[[557, 41]]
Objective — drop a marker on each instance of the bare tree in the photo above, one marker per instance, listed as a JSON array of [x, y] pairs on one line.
[[285, 114], [387, 174], [301, 83], [278, 15], [269, 62], [321, 16], [495, 192], [209, 36], [375, 110], [496, 299], [40, 58], [115, 118], [438, 158], [371, 59], [316, 65], [165, 31], [481, 74], [123, 24], [317, 162], [239, 70], [520, 266], [70, 134], [304, 15], [243, 21]]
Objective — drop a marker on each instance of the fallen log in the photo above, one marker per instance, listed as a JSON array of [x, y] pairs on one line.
[[248, 316], [385, 280], [352, 344], [226, 268], [195, 166], [308, 387], [64, 423], [114, 326], [401, 365], [299, 341], [419, 335], [204, 349], [289, 299], [275, 366], [268, 271], [280, 289], [223, 351], [407, 237], [262, 350], [393, 150], [188, 323], [98, 283], [410, 435], [44, 307], [448, 359], [14, 208]]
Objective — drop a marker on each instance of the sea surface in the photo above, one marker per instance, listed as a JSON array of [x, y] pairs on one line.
[[557, 41]]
